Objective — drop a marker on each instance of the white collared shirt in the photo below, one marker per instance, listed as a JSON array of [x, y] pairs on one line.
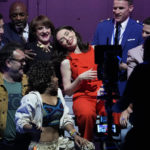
[[25, 33], [122, 29]]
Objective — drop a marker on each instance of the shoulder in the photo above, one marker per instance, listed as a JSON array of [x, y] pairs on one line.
[[65, 62], [31, 98], [65, 66], [105, 22], [135, 50], [8, 27], [1, 79], [136, 23]]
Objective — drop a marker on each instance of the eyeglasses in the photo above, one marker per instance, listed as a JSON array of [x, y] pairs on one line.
[[19, 60]]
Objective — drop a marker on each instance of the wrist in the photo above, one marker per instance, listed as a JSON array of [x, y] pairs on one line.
[[73, 133]]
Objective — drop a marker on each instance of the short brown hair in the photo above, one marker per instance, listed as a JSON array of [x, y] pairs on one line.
[[130, 2], [37, 21]]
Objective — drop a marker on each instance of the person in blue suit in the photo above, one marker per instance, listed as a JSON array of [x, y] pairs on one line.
[[130, 34], [18, 29]]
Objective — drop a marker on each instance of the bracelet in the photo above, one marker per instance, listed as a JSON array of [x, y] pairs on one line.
[[73, 132]]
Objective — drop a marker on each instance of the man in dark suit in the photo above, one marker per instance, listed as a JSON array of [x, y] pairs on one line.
[[17, 30], [130, 34]]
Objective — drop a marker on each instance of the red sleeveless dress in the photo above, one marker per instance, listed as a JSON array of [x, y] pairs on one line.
[[85, 98]]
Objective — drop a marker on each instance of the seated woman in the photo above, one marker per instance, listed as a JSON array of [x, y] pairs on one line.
[[43, 112], [79, 78]]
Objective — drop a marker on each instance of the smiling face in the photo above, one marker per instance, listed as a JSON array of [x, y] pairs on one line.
[[43, 34], [16, 65], [121, 10], [67, 39], [18, 15]]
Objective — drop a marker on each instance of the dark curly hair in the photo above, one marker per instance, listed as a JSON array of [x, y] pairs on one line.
[[40, 76]]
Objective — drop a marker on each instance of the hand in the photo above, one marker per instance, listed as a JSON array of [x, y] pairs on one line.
[[29, 54], [32, 127], [88, 75], [124, 118], [81, 142], [123, 66]]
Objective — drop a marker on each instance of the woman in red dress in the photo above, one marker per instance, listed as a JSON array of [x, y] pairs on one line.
[[79, 78]]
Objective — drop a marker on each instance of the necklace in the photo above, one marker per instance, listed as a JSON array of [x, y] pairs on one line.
[[45, 48]]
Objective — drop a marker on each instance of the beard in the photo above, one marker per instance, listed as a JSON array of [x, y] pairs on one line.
[[16, 75], [19, 26]]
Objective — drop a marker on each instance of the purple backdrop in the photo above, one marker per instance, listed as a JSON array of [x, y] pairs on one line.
[[83, 15]]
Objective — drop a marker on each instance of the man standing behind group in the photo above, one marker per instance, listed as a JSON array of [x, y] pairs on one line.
[[130, 34], [17, 30], [13, 84]]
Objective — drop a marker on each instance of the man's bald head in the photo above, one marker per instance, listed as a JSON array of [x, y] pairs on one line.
[[18, 15], [16, 4]]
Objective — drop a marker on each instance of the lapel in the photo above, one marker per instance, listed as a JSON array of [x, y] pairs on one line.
[[110, 31], [15, 35], [126, 33]]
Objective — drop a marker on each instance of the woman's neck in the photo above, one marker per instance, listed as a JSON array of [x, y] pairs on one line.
[[48, 99], [77, 50], [46, 47]]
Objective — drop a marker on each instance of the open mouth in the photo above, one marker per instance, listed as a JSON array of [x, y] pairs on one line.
[[45, 35]]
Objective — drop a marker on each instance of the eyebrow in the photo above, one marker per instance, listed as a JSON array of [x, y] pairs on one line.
[[66, 32]]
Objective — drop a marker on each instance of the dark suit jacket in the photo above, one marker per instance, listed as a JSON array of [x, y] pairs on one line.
[[132, 36], [11, 34]]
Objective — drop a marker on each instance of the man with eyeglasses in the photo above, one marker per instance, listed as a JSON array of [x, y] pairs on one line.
[[13, 85], [18, 29]]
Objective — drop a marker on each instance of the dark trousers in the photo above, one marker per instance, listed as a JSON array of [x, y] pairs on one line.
[[21, 142], [7, 145]]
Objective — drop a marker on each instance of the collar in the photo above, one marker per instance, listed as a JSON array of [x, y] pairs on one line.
[[26, 29], [124, 23]]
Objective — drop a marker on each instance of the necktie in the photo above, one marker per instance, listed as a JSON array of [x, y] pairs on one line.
[[117, 34]]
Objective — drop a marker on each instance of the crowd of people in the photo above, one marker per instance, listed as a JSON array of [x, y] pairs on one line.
[[40, 64]]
